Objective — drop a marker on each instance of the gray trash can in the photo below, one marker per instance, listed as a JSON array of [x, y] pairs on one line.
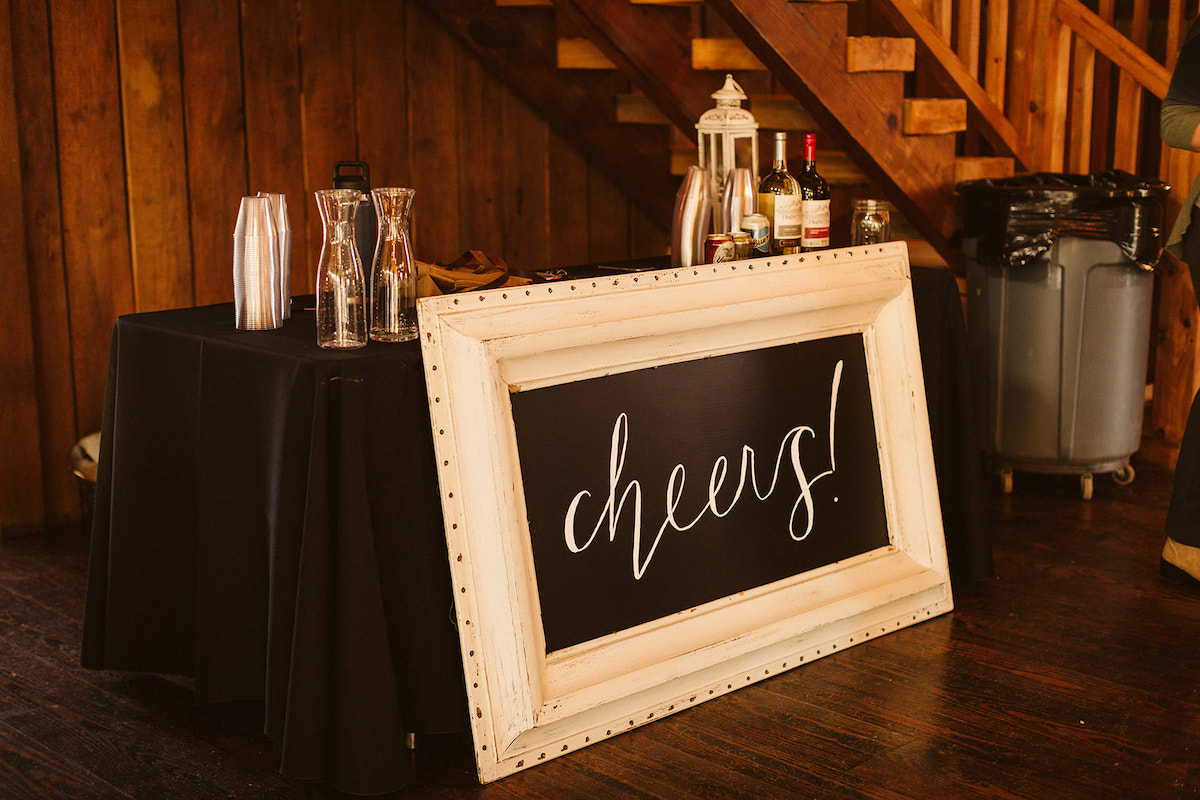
[[1060, 292]]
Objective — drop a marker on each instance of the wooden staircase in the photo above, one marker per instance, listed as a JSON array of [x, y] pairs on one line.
[[649, 69], [910, 96], [908, 147], [625, 68]]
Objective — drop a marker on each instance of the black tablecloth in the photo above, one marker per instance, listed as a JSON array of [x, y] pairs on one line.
[[267, 521], [958, 460]]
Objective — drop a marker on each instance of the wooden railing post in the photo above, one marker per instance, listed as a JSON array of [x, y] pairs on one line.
[[1055, 90], [996, 51], [1083, 77]]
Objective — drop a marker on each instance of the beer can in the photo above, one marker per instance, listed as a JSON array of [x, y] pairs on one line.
[[718, 247], [742, 245], [760, 234]]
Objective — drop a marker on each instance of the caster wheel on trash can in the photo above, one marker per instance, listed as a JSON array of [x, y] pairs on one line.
[[1124, 476]]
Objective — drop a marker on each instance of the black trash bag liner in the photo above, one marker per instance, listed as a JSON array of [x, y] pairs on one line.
[[1016, 220]]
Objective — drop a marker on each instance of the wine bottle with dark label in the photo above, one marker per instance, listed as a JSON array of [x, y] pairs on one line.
[[814, 192], [779, 200]]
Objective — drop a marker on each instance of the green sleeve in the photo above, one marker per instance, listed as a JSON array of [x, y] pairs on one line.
[[1181, 107], [1177, 123]]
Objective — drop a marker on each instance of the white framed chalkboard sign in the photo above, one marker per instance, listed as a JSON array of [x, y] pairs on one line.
[[661, 486]]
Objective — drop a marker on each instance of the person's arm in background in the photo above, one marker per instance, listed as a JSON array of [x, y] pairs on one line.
[[1179, 121], [1180, 125]]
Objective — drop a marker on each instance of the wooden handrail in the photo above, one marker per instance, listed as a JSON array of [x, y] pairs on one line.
[[1038, 97], [1116, 48], [906, 15]]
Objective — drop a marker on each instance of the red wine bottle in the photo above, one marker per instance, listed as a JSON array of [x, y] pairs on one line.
[[814, 193]]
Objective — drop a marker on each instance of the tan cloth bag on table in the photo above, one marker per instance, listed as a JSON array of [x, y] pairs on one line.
[[474, 269]]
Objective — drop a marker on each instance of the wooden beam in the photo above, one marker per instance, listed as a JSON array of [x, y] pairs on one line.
[[880, 54], [938, 115], [723, 55], [581, 54]]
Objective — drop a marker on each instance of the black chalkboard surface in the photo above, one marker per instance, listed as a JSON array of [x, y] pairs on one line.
[[654, 491]]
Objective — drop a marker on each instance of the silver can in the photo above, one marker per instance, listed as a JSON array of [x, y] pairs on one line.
[[743, 245]]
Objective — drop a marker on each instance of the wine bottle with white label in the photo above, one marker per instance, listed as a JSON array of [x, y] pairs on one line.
[[814, 192], [779, 199]]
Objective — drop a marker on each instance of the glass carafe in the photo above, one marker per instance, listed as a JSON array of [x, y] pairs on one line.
[[394, 270], [341, 290]]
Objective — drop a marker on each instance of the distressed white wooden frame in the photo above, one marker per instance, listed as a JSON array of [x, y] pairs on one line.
[[527, 707]]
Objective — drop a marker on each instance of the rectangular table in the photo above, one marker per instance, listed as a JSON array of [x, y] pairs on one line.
[[267, 522]]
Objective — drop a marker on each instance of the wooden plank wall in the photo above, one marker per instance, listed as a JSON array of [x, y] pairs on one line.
[[130, 146]]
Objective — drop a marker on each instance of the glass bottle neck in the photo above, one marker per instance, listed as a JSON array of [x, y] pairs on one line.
[[779, 163]]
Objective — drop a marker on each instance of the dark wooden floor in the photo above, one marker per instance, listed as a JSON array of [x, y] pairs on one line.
[[1074, 674]]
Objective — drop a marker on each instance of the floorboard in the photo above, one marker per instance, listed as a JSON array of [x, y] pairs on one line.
[[1073, 674]]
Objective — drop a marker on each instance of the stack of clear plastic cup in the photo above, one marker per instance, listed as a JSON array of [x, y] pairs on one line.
[[256, 290]]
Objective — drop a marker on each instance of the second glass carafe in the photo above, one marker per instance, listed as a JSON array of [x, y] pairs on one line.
[[394, 270]]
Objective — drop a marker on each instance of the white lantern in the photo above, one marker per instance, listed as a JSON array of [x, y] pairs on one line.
[[728, 137]]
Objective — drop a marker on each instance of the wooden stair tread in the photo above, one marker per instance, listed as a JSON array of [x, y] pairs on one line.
[[972, 168], [723, 55], [880, 54], [934, 115], [581, 53]]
